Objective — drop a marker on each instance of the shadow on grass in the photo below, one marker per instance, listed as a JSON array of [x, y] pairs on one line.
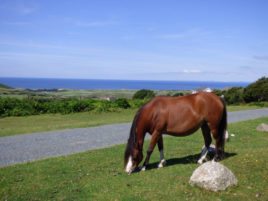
[[190, 159]]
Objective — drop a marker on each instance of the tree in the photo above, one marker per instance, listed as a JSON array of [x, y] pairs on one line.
[[144, 94], [257, 91], [234, 95], [122, 103]]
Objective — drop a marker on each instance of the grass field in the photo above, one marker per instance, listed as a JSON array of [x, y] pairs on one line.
[[21, 93], [20, 125], [99, 174]]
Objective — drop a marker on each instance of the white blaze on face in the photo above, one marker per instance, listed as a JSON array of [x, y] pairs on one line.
[[129, 165]]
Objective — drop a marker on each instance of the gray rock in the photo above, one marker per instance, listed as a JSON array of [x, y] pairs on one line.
[[213, 176], [262, 127]]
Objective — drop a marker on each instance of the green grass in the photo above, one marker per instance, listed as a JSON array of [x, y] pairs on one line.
[[232, 108], [47, 122], [28, 124], [99, 174]]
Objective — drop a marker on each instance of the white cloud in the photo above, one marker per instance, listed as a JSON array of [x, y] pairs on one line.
[[189, 71], [190, 33], [261, 57], [26, 10], [90, 23], [20, 7], [16, 23], [172, 36], [95, 23]]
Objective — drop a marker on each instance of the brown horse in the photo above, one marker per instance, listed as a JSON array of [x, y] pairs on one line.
[[177, 116]]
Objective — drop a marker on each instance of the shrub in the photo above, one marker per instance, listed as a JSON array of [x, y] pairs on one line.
[[137, 103], [103, 106], [178, 94], [234, 95], [17, 107], [122, 103], [144, 94], [257, 91], [218, 92]]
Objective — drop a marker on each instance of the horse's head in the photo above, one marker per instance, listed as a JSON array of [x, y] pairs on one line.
[[133, 157], [133, 153]]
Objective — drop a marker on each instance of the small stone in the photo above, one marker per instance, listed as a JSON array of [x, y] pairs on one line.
[[213, 176], [262, 127], [258, 195]]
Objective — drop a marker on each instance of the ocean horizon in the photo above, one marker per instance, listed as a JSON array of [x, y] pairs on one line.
[[106, 84]]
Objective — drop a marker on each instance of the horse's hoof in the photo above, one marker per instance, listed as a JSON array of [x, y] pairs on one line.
[[162, 163], [217, 159], [143, 168], [200, 161]]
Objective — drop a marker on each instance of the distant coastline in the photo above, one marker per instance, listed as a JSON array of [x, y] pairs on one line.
[[94, 84]]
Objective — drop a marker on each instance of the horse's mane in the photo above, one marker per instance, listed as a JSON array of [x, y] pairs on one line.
[[132, 136]]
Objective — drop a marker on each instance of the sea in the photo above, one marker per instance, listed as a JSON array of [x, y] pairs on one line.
[[98, 84]]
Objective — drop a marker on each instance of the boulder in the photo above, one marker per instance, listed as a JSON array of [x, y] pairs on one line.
[[213, 176], [262, 127]]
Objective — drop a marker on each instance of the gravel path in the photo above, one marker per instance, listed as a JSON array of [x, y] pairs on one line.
[[29, 147]]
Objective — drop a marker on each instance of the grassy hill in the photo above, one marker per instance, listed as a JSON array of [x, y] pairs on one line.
[[3, 86]]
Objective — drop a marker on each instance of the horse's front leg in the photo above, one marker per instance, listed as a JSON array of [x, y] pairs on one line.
[[154, 140], [160, 144]]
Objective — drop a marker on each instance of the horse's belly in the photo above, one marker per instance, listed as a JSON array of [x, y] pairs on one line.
[[183, 128]]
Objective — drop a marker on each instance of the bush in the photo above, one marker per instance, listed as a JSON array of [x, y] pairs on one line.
[[122, 103], [17, 107], [218, 92], [257, 91], [234, 95], [144, 94], [178, 94], [103, 106]]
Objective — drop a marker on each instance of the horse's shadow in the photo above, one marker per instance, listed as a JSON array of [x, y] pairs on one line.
[[190, 159]]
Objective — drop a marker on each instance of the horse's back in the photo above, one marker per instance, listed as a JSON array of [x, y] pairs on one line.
[[209, 104], [181, 115]]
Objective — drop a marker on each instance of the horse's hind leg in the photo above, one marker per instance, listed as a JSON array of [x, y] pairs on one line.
[[219, 145], [160, 144], [207, 138], [154, 140]]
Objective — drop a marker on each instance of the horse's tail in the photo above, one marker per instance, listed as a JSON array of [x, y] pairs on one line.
[[132, 137], [223, 124]]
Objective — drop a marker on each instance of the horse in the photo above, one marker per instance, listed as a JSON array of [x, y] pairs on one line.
[[176, 116]]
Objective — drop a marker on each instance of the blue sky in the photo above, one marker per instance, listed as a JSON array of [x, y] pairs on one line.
[[197, 40]]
